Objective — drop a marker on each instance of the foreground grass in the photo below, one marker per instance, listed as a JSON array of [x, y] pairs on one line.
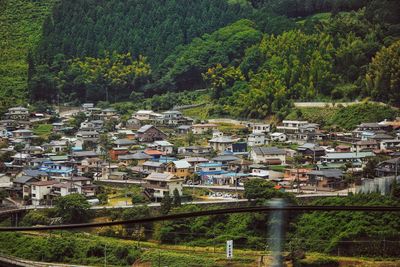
[[84, 248]]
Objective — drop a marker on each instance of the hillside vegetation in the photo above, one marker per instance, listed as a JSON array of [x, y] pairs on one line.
[[345, 117], [20, 30], [256, 56]]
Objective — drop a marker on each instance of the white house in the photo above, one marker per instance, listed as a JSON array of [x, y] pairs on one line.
[[278, 137], [164, 146], [256, 139], [390, 144], [203, 128], [268, 155], [145, 115], [41, 191], [291, 126], [65, 189], [160, 184], [261, 128]]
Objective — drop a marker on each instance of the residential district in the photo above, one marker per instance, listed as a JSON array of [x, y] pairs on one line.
[[164, 153]]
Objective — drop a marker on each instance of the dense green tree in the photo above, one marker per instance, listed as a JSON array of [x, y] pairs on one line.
[[383, 77], [177, 198], [73, 208], [166, 204]]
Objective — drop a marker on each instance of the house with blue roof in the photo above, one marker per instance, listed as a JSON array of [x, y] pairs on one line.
[[211, 168], [54, 169]]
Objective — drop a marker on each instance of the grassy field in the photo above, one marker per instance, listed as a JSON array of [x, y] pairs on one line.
[[43, 130]]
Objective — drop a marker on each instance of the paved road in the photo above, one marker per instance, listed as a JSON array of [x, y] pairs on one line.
[[6, 260], [324, 104]]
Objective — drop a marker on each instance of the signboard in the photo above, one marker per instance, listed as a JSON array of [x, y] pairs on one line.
[[229, 249]]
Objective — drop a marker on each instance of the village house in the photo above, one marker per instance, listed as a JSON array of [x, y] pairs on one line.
[[389, 167], [153, 166], [158, 185], [4, 132], [292, 175], [336, 159], [108, 112], [115, 152], [133, 124], [155, 154], [56, 146], [365, 145], [221, 143], [117, 175], [80, 155], [379, 137], [256, 139], [290, 127], [137, 158], [57, 126], [310, 132], [211, 168], [326, 180], [311, 151], [54, 169], [146, 116], [278, 137], [193, 161], [23, 134], [98, 125], [18, 114], [268, 155], [41, 192], [179, 168], [64, 189], [393, 145], [86, 106], [342, 148], [149, 133], [173, 117], [163, 146], [260, 128], [129, 134], [203, 128], [92, 165], [22, 186], [194, 150], [5, 182], [370, 127], [184, 129], [88, 136], [34, 151]]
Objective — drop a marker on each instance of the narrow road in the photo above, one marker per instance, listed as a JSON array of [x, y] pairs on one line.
[[11, 261]]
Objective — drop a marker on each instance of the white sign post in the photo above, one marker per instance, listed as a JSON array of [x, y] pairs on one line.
[[229, 249]]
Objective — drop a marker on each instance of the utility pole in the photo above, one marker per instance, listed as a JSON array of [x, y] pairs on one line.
[[105, 255]]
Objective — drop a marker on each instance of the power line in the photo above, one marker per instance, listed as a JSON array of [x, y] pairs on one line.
[[205, 213]]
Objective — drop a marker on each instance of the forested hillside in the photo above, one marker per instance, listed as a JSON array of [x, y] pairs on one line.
[[255, 56], [20, 28]]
